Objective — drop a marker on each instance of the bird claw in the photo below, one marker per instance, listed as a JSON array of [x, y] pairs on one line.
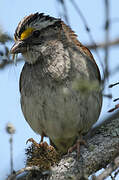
[[42, 144], [77, 146]]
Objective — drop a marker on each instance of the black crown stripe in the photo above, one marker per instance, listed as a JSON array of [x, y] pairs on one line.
[[28, 19]]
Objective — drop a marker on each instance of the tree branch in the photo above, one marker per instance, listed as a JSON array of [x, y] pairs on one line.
[[5, 62], [15, 174], [107, 172], [103, 148], [103, 44]]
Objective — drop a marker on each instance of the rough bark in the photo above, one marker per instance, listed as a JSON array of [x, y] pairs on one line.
[[103, 148]]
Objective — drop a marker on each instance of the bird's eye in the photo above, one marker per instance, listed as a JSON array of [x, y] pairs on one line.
[[36, 33]]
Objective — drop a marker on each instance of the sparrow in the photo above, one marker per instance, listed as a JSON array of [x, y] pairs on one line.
[[60, 84]]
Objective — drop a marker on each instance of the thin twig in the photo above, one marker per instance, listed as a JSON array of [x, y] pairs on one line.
[[65, 12], [11, 130], [115, 108], [107, 172], [15, 174], [106, 49], [107, 96], [87, 29], [111, 85], [116, 99], [85, 23], [116, 173], [6, 62], [11, 152], [103, 44]]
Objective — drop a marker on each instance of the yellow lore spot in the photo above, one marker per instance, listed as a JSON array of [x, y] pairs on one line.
[[26, 33]]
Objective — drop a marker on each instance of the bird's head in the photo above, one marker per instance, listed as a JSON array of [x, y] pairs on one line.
[[31, 33]]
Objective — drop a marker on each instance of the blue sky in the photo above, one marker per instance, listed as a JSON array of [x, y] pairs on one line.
[[11, 12]]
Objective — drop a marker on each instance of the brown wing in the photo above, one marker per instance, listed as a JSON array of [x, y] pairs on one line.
[[71, 35]]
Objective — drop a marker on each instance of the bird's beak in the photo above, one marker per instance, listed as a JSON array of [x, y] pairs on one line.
[[18, 47]]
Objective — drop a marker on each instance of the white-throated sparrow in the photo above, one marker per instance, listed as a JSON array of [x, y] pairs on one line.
[[59, 83]]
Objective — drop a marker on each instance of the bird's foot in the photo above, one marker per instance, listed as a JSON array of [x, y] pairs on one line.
[[77, 146], [41, 155], [42, 144]]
